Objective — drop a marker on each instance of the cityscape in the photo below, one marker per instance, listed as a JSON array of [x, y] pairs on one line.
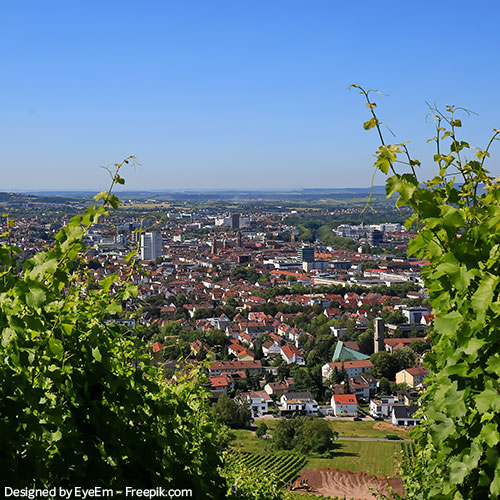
[[250, 251]]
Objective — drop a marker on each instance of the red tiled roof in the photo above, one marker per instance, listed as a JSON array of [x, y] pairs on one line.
[[345, 399]]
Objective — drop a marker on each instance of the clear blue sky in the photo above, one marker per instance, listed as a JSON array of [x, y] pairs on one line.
[[233, 94]]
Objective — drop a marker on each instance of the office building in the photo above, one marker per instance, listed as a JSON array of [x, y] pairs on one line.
[[151, 246], [305, 254]]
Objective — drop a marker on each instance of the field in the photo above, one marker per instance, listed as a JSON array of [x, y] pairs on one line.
[[285, 465], [372, 457], [349, 428]]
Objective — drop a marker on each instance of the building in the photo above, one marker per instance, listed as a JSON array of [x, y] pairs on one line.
[[352, 368], [378, 338], [382, 406], [412, 376], [218, 367], [298, 403], [375, 237], [291, 354], [344, 351], [235, 221], [402, 416], [344, 405], [305, 254], [414, 314], [258, 401], [151, 246]]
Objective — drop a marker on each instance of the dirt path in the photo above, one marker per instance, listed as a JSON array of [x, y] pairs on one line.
[[351, 485]]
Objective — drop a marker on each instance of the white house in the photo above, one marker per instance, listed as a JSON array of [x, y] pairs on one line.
[[301, 403], [402, 416], [258, 401], [382, 407], [344, 405], [271, 347], [352, 368], [292, 355]]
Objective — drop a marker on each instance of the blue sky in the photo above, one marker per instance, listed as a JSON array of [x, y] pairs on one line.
[[233, 94]]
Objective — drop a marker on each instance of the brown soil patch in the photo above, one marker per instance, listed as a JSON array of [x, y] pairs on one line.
[[350, 485], [384, 426]]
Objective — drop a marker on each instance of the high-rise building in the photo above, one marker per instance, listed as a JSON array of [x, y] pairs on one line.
[[151, 246], [375, 237], [305, 254], [235, 221]]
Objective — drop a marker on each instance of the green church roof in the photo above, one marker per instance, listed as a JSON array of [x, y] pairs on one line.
[[343, 353]]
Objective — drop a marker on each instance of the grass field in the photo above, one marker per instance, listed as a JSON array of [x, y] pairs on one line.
[[372, 457], [349, 428]]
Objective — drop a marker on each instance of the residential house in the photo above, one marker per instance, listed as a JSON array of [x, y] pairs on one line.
[[352, 368], [298, 403], [382, 407], [258, 401], [277, 388], [218, 367], [413, 377], [271, 347], [403, 416], [344, 405], [291, 354]]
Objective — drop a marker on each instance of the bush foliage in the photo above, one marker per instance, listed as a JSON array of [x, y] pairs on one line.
[[458, 215], [80, 402]]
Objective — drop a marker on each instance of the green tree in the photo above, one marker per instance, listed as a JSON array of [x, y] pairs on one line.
[[314, 436], [231, 413], [384, 365], [261, 429], [284, 434], [419, 346], [457, 445], [405, 358], [384, 385]]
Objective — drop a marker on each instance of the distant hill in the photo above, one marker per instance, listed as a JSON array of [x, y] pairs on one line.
[[207, 194]]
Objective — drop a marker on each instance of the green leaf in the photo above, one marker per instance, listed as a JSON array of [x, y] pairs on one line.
[[483, 296], [495, 485], [458, 471], [36, 297], [489, 434], [56, 436], [494, 364], [56, 347], [96, 354], [488, 399], [113, 308], [448, 323]]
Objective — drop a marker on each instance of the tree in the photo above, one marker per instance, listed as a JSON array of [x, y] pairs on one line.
[[405, 357], [459, 235], [384, 365], [81, 402], [384, 385], [261, 429], [304, 435], [419, 346], [231, 413], [284, 434], [315, 435]]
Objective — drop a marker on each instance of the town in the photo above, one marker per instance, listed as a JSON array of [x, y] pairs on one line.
[[288, 320]]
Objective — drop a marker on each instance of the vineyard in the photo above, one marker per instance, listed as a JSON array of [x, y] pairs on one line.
[[409, 449], [286, 466]]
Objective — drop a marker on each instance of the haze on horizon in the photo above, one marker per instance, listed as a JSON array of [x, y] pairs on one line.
[[233, 95]]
